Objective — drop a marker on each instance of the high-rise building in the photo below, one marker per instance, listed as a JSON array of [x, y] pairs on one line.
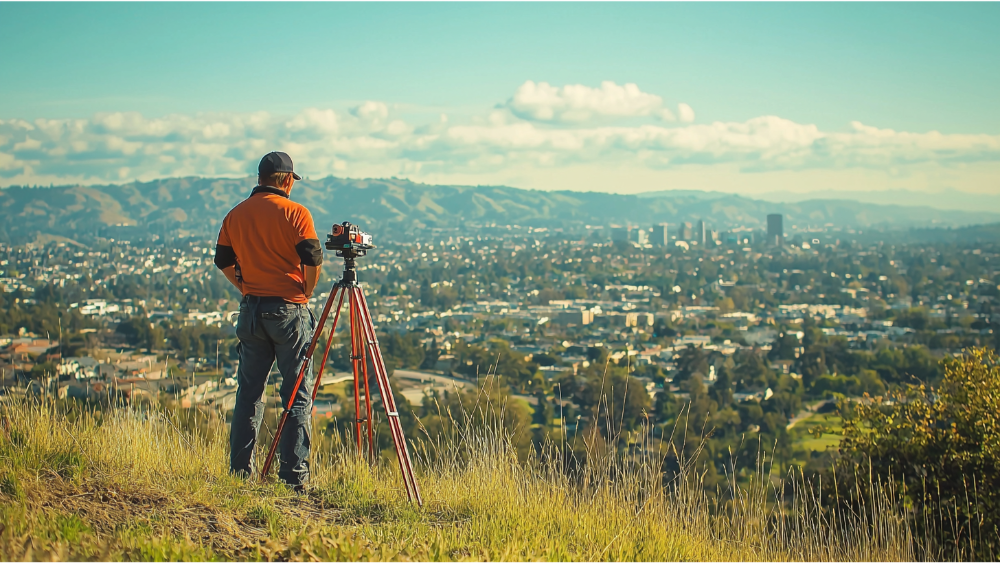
[[775, 230], [686, 232], [619, 234], [638, 236], [661, 236], [699, 233]]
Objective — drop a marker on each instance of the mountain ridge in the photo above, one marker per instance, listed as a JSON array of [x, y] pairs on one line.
[[196, 204], [948, 199]]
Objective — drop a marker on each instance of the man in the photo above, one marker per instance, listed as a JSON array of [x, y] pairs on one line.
[[269, 250]]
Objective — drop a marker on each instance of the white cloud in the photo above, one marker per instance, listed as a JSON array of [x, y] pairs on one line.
[[320, 121], [370, 140], [685, 113], [577, 103], [216, 131], [371, 110], [398, 127], [764, 137], [7, 161], [28, 144]]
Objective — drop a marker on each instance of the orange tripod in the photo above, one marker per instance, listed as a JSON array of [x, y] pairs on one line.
[[363, 344]]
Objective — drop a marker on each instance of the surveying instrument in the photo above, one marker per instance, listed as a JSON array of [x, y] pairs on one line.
[[350, 242]]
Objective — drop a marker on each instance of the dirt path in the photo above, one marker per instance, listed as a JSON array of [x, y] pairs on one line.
[[806, 413]]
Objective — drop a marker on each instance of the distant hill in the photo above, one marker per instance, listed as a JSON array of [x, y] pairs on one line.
[[946, 199], [396, 206], [973, 233]]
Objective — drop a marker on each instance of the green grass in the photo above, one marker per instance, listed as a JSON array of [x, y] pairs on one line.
[[133, 484], [806, 441]]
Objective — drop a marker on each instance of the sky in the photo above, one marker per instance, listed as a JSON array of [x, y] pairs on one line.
[[746, 98]]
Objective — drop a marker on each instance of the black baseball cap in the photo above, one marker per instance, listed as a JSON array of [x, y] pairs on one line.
[[274, 162]]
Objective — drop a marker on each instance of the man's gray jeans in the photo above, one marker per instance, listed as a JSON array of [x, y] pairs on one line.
[[272, 330]]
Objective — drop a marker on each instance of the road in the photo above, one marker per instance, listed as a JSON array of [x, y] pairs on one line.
[[806, 413], [431, 380], [415, 383], [428, 376]]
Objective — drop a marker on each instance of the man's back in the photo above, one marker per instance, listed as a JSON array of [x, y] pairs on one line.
[[269, 250], [271, 238]]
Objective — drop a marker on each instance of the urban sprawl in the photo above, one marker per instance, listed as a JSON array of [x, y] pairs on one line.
[[767, 328]]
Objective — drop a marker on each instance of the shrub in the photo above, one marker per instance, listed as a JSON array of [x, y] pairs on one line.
[[942, 445]]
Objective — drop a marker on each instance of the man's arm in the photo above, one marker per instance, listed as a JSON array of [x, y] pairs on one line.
[[230, 274], [308, 248], [312, 278], [225, 258], [310, 252]]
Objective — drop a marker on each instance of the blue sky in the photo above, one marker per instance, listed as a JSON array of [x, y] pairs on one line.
[[800, 97]]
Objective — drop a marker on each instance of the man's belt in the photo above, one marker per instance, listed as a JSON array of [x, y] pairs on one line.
[[263, 299]]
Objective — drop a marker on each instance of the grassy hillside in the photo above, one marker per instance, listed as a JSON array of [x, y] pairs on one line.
[[152, 484], [198, 204]]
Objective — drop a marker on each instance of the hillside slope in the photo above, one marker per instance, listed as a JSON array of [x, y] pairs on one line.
[[148, 484], [399, 206]]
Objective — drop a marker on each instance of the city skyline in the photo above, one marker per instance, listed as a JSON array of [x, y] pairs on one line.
[[751, 99]]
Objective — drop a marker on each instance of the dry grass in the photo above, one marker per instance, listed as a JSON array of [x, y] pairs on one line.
[[153, 485]]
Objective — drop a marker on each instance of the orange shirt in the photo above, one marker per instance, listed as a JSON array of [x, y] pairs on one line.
[[269, 237]]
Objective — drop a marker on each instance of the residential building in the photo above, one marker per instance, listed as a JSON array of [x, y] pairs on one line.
[[578, 317]]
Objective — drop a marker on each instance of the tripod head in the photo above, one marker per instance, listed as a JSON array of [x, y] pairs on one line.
[[350, 242]]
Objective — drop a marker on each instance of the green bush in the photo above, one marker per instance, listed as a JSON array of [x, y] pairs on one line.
[[941, 445]]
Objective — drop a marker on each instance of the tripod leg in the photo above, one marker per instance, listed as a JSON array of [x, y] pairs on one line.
[[303, 366], [352, 312], [388, 402], [368, 397], [329, 342]]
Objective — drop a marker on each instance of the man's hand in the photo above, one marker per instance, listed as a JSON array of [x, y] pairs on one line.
[[312, 278], [230, 274]]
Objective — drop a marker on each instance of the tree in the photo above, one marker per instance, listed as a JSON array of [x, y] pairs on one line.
[[616, 402], [942, 443], [402, 350], [509, 365], [751, 371], [138, 331], [431, 356], [722, 390], [784, 347], [543, 410], [692, 360]]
